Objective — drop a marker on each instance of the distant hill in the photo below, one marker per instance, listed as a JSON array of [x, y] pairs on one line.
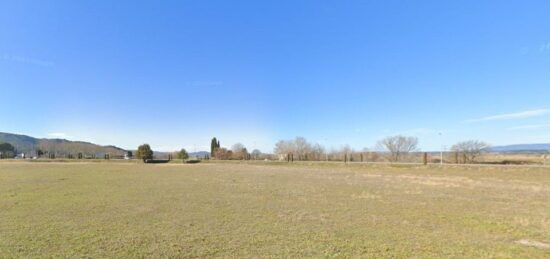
[[522, 148], [199, 154], [29, 145]]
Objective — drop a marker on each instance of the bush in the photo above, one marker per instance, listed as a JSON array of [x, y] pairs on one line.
[[156, 161], [192, 161]]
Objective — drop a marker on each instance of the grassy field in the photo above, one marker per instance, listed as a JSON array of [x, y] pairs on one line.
[[272, 210]]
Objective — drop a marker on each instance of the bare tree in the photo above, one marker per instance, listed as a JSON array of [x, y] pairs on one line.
[[300, 148], [317, 152], [399, 146], [239, 151], [256, 153], [469, 150], [284, 147], [237, 147], [341, 153]]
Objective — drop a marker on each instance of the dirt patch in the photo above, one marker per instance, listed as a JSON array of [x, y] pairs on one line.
[[533, 243]]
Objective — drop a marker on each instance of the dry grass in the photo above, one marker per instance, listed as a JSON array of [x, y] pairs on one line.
[[542, 159], [272, 210]]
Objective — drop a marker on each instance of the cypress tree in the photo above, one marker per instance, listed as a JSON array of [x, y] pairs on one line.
[[212, 145]]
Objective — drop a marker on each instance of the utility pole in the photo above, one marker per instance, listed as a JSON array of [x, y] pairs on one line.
[[440, 151]]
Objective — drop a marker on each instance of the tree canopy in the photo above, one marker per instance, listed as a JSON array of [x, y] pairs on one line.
[[6, 147], [144, 152], [183, 154], [469, 150], [214, 145], [7, 150], [399, 146]]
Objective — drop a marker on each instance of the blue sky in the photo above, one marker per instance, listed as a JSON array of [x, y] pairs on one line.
[[176, 73]]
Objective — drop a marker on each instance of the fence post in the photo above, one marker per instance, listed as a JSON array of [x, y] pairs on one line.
[[425, 158]]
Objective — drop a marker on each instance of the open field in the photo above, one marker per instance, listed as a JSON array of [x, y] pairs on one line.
[[272, 210]]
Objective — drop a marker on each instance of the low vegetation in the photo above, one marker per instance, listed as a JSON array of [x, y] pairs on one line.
[[272, 209]]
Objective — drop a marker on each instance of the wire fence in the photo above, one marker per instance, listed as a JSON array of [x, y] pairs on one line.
[[412, 158]]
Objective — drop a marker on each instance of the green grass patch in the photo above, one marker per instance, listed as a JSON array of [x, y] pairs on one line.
[[257, 209]]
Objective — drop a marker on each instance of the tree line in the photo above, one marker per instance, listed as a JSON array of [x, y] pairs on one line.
[[394, 149]]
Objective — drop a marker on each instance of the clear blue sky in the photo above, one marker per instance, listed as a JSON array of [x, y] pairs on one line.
[[176, 73]]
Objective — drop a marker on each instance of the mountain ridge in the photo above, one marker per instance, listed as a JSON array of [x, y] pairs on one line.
[[29, 145], [521, 148]]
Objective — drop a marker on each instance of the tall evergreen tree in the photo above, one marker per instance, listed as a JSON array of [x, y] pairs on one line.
[[213, 146]]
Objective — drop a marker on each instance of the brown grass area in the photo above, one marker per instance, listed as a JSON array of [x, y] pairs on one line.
[[236, 209]]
